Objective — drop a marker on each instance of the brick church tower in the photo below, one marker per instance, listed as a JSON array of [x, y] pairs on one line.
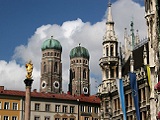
[[51, 66], [79, 71]]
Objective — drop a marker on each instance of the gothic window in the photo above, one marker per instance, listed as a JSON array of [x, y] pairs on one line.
[[139, 93], [111, 50], [55, 67], [144, 96], [130, 99], [115, 104], [118, 104], [126, 100], [73, 74], [107, 73], [112, 73], [107, 51], [51, 53], [44, 67], [84, 74]]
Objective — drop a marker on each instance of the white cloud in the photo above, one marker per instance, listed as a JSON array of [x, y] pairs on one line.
[[70, 34]]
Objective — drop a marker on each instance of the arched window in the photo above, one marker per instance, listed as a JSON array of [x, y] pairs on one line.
[[44, 67], [112, 73], [107, 73], [73, 74], [55, 67], [84, 74], [107, 51], [111, 50]]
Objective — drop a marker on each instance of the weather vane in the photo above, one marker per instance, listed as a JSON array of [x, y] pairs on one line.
[[29, 69]]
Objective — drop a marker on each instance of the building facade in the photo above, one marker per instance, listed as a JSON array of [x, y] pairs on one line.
[[48, 106], [133, 57], [79, 71]]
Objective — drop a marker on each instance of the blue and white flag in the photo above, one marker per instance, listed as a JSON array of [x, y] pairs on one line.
[[134, 88], [121, 96]]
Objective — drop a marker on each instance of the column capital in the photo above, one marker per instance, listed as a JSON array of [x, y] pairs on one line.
[[28, 82]]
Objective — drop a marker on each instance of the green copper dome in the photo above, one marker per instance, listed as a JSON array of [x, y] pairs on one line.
[[51, 44], [79, 52]]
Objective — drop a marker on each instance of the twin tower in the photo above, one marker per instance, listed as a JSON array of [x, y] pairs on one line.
[[51, 69]]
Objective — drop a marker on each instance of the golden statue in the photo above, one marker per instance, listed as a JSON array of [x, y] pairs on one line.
[[29, 69]]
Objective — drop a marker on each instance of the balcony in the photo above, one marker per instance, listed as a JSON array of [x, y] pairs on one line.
[[108, 60]]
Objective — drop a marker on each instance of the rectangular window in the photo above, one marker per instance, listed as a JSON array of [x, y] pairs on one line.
[[57, 108], [71, 118], [96, 109], [86, 118], [0, 105], [71, 109], [6, 118], [82, 108], [37, 107], [36, 118], [47, 107], [65, 109], [6, 105], [47, 118], [57, 118], [64, 119], [14, 117], [89, 109], [15, 106]]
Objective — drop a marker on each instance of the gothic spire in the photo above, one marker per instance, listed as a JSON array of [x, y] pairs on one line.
[[109, 14], [110, 33]]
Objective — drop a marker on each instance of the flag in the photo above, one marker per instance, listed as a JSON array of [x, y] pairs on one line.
[[122, 98], [148, 76], [134, 88]]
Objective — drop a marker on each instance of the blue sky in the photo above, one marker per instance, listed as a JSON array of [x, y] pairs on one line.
[[25, 24], [20, 18]]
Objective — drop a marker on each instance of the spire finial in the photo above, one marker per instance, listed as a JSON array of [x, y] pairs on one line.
[[52, 37], [132, 34], [109, 14], [109, 3]]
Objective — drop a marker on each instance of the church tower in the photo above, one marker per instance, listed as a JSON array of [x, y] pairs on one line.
[[79, 71], [51, 66], [109, 65]]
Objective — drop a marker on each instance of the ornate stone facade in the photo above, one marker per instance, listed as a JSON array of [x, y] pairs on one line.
[[140, 54]]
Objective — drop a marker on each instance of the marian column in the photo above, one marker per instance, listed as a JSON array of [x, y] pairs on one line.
[[28, 82]]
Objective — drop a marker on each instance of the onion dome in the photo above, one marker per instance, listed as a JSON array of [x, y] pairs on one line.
[[79, 52], [51, 44]]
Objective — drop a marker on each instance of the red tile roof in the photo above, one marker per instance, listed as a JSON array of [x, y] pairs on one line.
[[89, 99]]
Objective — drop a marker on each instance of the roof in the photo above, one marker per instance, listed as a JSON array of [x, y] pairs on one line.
[[51, 44], [63, 96], [79, 52], [138, 59]]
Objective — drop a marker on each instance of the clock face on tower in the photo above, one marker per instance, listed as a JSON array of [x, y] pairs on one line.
[[43, 84], [56, 84], [85, 90]]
